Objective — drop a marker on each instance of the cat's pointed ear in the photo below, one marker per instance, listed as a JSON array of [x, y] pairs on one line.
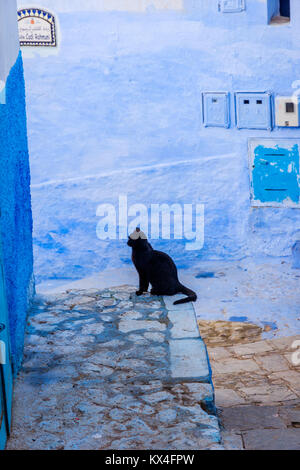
[[143, 236]]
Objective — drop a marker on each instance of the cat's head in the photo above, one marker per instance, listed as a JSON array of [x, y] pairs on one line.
[[137, 240]]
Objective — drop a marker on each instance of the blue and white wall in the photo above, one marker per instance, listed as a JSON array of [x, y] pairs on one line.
[[16, 218], [118, 110]]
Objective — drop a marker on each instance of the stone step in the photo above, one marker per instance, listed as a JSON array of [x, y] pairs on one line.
[[188, 353]]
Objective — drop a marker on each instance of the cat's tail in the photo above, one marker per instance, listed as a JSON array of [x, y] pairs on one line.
[[191, 296]]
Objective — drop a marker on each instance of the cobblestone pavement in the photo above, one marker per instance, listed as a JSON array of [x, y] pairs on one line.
[[100, 373], [257, 388]]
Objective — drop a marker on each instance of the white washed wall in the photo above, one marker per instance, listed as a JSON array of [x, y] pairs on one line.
[[9, 38], [65, 6]]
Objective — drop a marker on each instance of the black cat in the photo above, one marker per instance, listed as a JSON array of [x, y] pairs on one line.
[[156, 268]]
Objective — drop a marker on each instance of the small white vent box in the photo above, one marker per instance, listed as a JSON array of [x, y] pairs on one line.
[[231, 6], [287, 111]]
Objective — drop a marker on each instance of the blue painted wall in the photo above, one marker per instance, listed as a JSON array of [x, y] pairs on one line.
[[15, 202], [118, 110]]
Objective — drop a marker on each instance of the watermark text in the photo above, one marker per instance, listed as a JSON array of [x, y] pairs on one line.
[[158, 221]]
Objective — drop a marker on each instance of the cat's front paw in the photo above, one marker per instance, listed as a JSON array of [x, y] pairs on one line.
[[139, 293]]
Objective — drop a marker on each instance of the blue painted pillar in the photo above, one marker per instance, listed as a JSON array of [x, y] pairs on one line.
[[6, 381]]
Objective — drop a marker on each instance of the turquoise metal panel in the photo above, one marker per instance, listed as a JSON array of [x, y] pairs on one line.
[[275, 173]]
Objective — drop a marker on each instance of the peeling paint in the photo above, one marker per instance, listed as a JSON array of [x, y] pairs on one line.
[[275, 174]]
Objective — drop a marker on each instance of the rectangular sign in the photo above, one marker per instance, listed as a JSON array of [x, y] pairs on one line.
[[36, 28]]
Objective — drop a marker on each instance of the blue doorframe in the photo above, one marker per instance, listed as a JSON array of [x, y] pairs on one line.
[[6, 380]]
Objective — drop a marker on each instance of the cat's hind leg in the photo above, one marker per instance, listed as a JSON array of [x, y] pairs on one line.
[[163, 292], [154, 292]]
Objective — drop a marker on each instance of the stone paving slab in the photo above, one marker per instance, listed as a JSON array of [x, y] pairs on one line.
[[99, 373], [272, 439], [232, 441], [246, 418]]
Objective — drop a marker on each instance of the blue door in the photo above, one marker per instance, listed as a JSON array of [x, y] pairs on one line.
[[285, 9], [6, 383]]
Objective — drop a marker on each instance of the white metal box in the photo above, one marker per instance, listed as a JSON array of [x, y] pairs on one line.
[[231, 6], [287, 111]]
